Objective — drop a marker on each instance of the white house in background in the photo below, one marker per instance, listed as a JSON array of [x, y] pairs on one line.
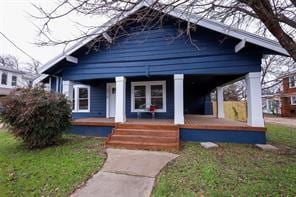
[[11, 78]]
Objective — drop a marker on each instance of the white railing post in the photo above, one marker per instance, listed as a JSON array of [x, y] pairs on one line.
[[178, 99], [255, 115], [120, 115], [220, 102]]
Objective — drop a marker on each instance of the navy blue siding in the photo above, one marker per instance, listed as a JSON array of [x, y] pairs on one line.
[[102, 131], [248, 137], [53, 85], [158, 52], [97, 101]]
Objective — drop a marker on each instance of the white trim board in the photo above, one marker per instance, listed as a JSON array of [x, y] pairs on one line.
[[178, 13]]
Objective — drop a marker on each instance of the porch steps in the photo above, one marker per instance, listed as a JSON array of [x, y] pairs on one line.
[[144, 136]]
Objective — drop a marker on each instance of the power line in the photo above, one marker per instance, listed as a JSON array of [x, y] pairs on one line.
[[18, 47]]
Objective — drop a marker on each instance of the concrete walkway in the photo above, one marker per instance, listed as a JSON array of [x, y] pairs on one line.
[[291, 122], [126, 173]]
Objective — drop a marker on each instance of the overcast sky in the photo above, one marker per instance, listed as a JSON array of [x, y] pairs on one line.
[[18, 25]]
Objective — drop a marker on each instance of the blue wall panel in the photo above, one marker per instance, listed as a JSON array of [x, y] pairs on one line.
[[248, 137], [91, 130], [159, 52]]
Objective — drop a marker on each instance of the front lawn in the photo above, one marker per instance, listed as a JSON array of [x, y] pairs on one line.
[[233, 169], [54, 171]]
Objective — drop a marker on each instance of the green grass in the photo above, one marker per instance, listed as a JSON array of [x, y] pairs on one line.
[[233, 169], [53, 171], [283, 136]]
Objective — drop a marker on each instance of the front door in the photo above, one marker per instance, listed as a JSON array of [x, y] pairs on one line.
[[111, 99]]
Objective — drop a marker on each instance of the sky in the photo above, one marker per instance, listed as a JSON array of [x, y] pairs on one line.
[[17, 24]]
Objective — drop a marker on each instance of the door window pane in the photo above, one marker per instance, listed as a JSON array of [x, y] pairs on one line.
[[113, 91]]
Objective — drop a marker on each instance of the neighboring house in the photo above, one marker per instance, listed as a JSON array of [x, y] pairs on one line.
[[11, 78], [288, 95], [158, 72], [283, 102]]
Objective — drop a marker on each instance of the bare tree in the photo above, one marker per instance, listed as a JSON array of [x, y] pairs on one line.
[[235, 91], [32, 67], [268, 17], [9, 61], [273, 68]]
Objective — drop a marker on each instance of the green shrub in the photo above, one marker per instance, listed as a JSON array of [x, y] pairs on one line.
[[36, 116]]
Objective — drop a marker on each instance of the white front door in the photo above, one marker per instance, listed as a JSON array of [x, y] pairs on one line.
[[111, 97]]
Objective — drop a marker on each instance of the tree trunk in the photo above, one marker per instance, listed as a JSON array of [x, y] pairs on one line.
[[265, 13]]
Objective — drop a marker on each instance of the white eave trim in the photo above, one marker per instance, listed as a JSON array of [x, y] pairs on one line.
[[72, 59], [203, 22], [240, 45], [39, 79]]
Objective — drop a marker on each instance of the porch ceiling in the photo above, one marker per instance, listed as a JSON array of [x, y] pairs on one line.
[[206, 83]]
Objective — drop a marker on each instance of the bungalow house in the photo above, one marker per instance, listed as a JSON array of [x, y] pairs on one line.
[[150, 87]]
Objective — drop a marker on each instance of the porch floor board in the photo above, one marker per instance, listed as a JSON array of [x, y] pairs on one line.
[[206, 122]]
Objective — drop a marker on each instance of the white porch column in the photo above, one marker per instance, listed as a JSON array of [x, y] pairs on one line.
[[220, 102], [68, 89], [255, 116], [178, 99], [120, 99]]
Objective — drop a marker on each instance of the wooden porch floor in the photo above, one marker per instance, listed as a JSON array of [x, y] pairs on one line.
[[205, 122]]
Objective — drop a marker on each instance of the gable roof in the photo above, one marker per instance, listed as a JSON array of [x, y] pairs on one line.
[[195, 19]]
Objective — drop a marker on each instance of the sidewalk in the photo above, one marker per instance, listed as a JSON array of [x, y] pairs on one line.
[[282, 121], [126, 173]]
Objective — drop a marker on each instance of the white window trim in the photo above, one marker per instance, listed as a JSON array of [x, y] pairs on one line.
[[148, 94], [15, 81], [76, 107], [7, 84], [292, 103], [290, 82]]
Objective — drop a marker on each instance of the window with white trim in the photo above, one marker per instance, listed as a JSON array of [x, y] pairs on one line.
[[147, 93], [293, 100], [4, 78], [13, 80], [292, 81], [81, 98]]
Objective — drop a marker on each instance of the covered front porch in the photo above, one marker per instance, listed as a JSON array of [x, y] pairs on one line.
[[172, 97], [120, 109]]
